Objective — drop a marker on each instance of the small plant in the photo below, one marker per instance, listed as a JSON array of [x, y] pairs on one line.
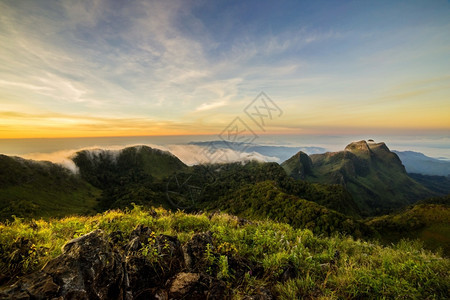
[[149, 250], [209, 257], [224, 270], [227, 249]]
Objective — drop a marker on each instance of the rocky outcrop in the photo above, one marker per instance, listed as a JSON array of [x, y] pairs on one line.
[[88, 268], [140, 265]]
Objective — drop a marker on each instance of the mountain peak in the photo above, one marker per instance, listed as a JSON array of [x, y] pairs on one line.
[[373, 175], [299, 165], [378, 146], [360, 146]]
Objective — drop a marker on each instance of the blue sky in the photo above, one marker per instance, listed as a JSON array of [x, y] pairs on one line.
[[95, 68]]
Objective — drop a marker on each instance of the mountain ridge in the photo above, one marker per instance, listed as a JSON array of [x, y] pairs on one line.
[[416, 162], [373, 174]]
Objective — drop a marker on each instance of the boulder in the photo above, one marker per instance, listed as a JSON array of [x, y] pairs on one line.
[[88, 268], [140, 266]]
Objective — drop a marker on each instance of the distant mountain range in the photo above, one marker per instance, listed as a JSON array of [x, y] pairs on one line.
[[280, 152], [373, 175], [416, 162]]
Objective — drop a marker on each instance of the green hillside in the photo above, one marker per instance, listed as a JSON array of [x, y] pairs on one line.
[[426, 221], [370, 172], [265, 200], [131, 175], [41, 189], [438, 184], [105, 167], [220, 180]]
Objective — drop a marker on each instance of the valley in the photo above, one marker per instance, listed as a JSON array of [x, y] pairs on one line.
[[358, 198]]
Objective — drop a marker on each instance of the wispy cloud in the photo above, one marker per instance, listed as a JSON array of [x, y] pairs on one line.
[[164, 61]]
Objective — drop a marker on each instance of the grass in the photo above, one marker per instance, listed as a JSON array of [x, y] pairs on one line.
[[337, 267], [428, 222], [42, 189]]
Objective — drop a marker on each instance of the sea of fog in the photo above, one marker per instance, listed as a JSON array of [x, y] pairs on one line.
[[265, 147]]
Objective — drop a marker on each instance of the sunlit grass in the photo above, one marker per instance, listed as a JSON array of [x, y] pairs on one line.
[[325, 267]]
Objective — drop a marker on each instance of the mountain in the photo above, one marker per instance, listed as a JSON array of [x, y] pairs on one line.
[[416, 162], [373, 175], [34, 189], [435, 183], [102, 167], [281, 153], [131, 175], [146, 176], [428, 221], [299, 166]]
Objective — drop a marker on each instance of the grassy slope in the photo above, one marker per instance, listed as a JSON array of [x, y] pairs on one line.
[[42, 189], [362, 270], [265, 200], [427, 222]]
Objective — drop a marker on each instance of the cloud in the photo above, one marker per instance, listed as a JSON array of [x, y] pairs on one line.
[[189, 154], [89, 56], [164, 61], [208, 106], [60, 157]]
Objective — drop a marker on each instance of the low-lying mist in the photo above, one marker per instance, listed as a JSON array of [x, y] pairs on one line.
[[189, 154]]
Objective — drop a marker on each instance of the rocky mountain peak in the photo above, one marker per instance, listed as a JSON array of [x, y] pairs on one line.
[[360, 146]]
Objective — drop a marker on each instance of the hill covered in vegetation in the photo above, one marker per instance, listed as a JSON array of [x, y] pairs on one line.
[[369, 171], [42, 189], [133, 174], [144, 253], [427, 220], [265, 200]]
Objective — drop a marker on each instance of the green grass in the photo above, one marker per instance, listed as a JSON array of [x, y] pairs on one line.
[[27, 201], [42, 189], [427, 222], [362, 270]]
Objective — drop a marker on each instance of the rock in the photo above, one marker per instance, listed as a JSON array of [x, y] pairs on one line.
[[147, 267], [88, 268], [117, 237], [243, 222], [194, 251], [134, 245], [197, 286], [146, 274], [260, 293], [141, 231], [289, 272], [182, 284]]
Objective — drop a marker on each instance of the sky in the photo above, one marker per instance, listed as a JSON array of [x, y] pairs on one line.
[[130, 68]]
